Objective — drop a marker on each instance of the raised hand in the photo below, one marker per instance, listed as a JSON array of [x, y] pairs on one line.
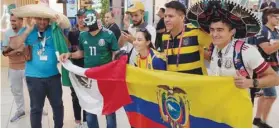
[[30, 23]]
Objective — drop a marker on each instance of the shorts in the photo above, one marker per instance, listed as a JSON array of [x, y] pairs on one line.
[[270, 92]]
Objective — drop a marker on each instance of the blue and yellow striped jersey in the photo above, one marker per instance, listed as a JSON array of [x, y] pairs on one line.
[[154, 61], [191, 57]]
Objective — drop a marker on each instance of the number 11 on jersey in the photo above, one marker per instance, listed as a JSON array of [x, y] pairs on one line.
[[92, 51]]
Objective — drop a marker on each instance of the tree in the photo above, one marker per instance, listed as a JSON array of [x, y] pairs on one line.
[[104, 8]]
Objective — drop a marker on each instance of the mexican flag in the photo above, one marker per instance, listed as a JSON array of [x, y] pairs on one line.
[[98, 90], [61, 47]]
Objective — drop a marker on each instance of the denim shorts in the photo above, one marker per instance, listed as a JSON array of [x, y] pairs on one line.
[[270, 92]]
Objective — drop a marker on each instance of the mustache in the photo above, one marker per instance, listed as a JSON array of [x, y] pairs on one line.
[[138, 23]]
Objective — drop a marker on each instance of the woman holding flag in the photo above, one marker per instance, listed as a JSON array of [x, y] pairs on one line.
[[148, 58]]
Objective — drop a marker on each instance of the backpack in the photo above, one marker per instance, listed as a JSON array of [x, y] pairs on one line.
[[237, 58], [123, 53]]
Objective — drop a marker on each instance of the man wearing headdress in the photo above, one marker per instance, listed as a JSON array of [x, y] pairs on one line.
[[42, 75], [228, 24], [97, 46]]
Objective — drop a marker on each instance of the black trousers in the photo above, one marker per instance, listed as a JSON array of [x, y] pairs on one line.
[[76, 106]]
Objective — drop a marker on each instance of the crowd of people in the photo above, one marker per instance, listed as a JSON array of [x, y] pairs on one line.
[[219, 37]]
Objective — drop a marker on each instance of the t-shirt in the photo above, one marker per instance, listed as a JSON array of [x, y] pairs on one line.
[[154, 60], [43, 66], [73, 37], [115, 29], [265, 36], [271, 5], [97, 49], [160, 25], [129, 46], [252, 59], [191, 56], [16, 62]]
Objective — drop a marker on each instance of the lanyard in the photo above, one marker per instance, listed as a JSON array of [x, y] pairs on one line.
[[179, 47], [43, 42], [111, 25]]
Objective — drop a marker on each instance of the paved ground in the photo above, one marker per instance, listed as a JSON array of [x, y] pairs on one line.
[[8, 108]]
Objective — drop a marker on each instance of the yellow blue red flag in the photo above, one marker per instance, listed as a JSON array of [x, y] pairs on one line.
[[166, 99]]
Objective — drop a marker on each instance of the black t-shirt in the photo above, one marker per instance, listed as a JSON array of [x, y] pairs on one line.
[[272, 5], [265, 36], [161, 24], [158, 43], [73, 37], [115, 29]]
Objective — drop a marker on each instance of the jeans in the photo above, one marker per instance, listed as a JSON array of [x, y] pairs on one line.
[[76, 106], [270, 92], [92, 120], [39, 89]]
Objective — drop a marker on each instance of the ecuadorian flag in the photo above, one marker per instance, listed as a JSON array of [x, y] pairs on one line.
[[166, 99], [170, 99]]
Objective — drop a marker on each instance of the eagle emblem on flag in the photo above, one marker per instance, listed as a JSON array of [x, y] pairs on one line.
[[174, 106]]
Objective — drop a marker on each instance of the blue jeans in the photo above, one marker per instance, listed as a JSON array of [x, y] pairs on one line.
[[39, 89], [92, 120], [270, 92]]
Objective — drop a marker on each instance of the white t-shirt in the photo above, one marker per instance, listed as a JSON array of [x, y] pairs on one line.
[[128, 46], [9, 33], [252, 59]]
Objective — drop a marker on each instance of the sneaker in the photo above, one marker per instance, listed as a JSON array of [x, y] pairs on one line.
[[258, 122], [79, 125], [84, 125], [17, 116], [265, 125]]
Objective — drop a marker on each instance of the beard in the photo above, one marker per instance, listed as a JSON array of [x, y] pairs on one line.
[[138, 23], [14, 27]]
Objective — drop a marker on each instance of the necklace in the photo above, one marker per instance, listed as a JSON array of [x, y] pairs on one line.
[[146, 62]]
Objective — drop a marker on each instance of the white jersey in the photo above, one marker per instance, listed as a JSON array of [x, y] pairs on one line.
[[252, 59]]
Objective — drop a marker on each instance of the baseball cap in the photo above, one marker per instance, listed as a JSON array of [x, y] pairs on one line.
[[81, 12], [135, 6]]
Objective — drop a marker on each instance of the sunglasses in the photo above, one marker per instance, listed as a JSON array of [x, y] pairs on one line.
[[41, 36], [142, 30], [81, 11], [219, 62]]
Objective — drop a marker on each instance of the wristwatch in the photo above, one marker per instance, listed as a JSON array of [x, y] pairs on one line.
[[255, 83]]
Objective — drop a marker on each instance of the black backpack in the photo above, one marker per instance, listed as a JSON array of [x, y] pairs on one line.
[[123, 53]]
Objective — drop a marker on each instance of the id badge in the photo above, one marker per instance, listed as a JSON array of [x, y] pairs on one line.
[[43, 58]]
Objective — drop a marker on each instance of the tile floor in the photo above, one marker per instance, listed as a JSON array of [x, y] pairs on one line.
[[8, 108]]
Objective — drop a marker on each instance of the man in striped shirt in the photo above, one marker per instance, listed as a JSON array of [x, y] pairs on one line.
[[183, 44]]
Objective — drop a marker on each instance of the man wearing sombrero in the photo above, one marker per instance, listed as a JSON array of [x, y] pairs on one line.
[[42, 75], [228, 22]]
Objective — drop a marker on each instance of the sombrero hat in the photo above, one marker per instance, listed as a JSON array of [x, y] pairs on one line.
[[243, 19], [40, 10]]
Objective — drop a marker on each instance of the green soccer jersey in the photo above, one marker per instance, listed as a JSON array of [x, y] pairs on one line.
[[97, 49]]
